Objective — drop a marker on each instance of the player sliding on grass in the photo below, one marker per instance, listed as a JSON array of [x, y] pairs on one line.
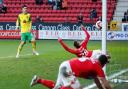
[[87, 68], [81, 48], [70, 83], [25, 23]]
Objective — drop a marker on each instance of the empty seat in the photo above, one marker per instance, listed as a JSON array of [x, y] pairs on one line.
[[45, 10]]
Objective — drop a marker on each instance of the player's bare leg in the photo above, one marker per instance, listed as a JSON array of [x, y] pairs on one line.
[[19, 49], [34, 48]]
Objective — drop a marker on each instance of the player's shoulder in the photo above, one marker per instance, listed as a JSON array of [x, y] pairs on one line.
[[20, 14], [25, 14], [96, 64], [28, 14], [94, 61]]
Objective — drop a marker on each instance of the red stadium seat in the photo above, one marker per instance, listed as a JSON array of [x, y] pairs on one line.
[[45, 10]]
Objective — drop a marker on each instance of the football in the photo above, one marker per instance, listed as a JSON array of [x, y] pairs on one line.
[[99, 25]]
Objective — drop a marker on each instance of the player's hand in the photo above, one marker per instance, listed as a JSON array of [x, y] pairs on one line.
[[17, 28], [30, 30], [59, 39], [82, 25]]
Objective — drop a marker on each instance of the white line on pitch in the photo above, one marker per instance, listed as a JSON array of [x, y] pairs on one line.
[[15, 56], [110, 77]]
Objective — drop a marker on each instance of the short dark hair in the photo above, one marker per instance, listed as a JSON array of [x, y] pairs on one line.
[[76, 44], [103, 59], [24, 6]]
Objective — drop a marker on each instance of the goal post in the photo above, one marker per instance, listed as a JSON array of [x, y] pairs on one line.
[[104, 27]]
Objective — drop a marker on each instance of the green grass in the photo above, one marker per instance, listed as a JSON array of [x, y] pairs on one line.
[[17, 73]]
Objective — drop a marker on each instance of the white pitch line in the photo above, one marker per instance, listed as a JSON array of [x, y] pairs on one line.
[[110, 77], [15, 56]]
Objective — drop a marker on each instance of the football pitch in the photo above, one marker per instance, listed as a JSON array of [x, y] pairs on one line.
[[17, 73]]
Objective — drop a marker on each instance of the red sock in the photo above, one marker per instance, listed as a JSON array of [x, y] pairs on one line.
[[48, 83]]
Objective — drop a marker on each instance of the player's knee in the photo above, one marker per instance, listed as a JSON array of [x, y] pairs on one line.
[[22, 43], [32, 41]]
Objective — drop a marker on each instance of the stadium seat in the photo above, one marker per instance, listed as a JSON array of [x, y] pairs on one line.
[[45, 10]]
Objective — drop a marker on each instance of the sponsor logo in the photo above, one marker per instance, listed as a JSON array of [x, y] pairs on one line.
[[111, 35]]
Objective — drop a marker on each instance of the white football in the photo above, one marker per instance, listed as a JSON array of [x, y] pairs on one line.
[[98, 25]]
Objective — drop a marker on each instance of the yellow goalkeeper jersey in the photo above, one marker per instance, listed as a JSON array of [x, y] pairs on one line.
[[25, 22]]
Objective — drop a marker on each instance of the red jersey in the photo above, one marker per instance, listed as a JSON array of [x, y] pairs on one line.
[[82, 51], [86, 68]]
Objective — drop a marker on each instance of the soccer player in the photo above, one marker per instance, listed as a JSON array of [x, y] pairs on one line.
[[81, 48], [87, 68], [71, 82], [25, 23]]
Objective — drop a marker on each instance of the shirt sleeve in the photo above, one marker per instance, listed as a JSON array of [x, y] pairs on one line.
[[18, 21], [18, 18], [30, 18], [84, 43], [73, 51], [99, 71]]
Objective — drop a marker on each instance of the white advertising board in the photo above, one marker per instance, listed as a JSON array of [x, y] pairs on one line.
[[80, 35]]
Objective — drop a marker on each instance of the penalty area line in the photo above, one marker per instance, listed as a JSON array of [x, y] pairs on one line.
[[15, 56], [109, 78]]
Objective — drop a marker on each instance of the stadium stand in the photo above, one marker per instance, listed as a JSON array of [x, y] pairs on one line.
[[125, 17], [121, 8], [49, 15]]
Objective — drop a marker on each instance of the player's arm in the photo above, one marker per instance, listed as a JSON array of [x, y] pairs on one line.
[[84, 43], [97, 82], [30, 20], [74, 51], [102, 83], [100, 80], [17, 23]]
